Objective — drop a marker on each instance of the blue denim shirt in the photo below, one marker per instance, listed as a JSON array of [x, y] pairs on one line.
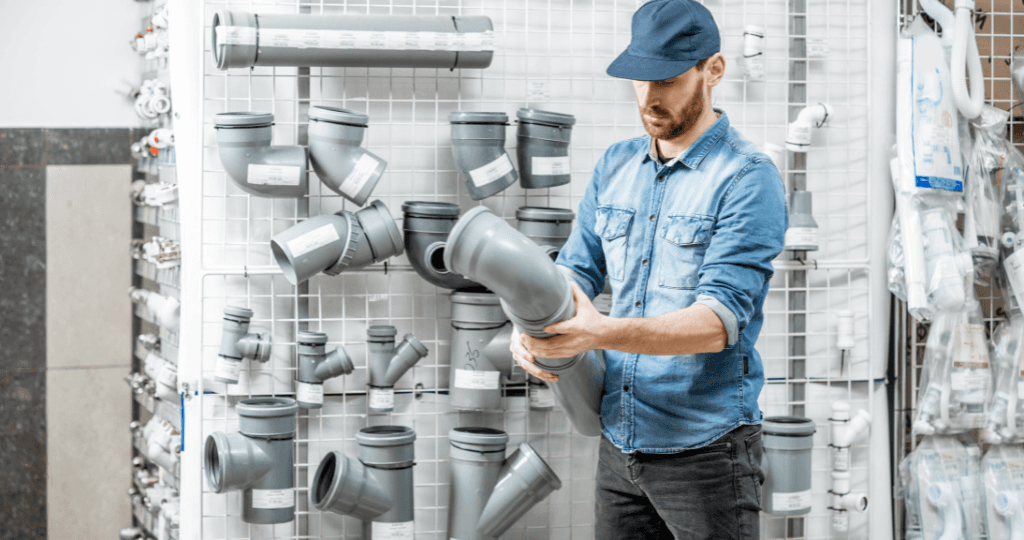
[[703, 228]]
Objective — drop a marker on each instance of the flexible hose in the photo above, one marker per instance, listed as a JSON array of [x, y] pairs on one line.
[[965, 47], [944, 16]]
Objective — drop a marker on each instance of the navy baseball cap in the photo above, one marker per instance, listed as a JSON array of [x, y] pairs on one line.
[[669, 38]]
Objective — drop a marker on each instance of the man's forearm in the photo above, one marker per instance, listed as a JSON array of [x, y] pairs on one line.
[[693, 330]]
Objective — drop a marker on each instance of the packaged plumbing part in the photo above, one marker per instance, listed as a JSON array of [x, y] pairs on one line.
[[786, 462], [335, 136], [243, 40], [1003, 469], [315, 365], [1006, 413], [425, 227], [237, 344], [985, 157], [943, 493], [753, 53], [1011, 179], [243, 143], [480, 354], [956, 382], [478, 146], [543, 148], [387, 363]]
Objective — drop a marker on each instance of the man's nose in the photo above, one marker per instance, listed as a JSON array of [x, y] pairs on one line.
[[647, 95]]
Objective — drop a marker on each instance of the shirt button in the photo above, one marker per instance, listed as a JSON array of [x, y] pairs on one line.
[[644, 262], [661, 178], [651, 217], [625, 388], [637, 303]]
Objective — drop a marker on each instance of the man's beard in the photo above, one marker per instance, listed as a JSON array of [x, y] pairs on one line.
[[678, 123]]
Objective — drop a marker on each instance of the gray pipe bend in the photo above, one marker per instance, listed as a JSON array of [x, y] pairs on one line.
[[478, 146], [425, 228], [243, 143], [335, 136], [542, 148], [238, 344]]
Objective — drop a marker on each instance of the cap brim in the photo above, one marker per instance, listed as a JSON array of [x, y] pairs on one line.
[[636, 68]]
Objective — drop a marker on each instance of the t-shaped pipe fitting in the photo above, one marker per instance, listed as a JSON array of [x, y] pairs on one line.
[[316, 365], [387, 363], [237, 344]]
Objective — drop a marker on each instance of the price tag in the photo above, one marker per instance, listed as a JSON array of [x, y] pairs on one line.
[[491, 172], [476, 380], [314, 239], [550, 166], [273, 498]]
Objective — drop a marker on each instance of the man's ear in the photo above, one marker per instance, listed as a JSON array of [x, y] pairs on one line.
[[714, 70]]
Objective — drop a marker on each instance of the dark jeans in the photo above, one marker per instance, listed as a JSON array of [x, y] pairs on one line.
[[712, 492]]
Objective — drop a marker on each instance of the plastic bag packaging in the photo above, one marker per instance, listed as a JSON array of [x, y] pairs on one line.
[[1011, 179], [910, 496], [897, 278], [1003, 467], [984, 156], [944, 490], [1017, 74], [1006, 412], [956, 381]]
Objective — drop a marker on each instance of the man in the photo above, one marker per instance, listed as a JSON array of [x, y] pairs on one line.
[[685, 224]]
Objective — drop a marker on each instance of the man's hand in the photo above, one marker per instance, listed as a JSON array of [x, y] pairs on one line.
[[525, 359], [583, 332]]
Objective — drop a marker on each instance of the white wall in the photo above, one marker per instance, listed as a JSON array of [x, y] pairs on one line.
[[63, 60]]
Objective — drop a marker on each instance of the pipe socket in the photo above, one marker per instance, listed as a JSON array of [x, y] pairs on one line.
[[258, 460], [243, 142], [336, 242], [798, 136], [534, 294], [480, 351], [543, 148], [786, 462], [237, 344], [316, 365], [387, 363], [335, 136], [377, 488], [802, 234], [166, 310], [244, 40], [478, 146], [549, 228], [489, 492], [425, 227]]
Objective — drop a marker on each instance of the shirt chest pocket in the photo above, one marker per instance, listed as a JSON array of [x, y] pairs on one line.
[[682, 242], [612, 225]]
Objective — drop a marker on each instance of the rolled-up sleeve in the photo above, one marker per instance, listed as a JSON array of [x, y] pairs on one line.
[[582, 255], [749, 233]]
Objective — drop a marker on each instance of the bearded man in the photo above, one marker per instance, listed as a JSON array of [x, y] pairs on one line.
[[684, 225]]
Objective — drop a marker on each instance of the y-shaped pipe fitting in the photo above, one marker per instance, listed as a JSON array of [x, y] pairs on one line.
[[237, 344], [316, 365], [480, 353], [257, 460], [243, 141], [387, 364]]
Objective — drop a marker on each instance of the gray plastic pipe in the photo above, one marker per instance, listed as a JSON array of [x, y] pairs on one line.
[[334, 151], [333, 243], [478, 146], [489, 492], [534, 294], [237, 344], [549, 228], [377, 488], [543, 148], [802, 234], [786, 462], [480, 354], [316, 365], [243, 40], [258, 460], [387, 363], [243, 142], [425, 227]]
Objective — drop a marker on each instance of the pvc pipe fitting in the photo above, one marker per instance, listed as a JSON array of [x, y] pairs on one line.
[[336, 242], [549, 228], [478, 146], [798, 137], [539, 394], [164, 374], [316, 365], [753, 52], [965, 57], [257, 460], [377, 489], [244, 40], [788, 441], [480, 353], [237, 344], [166, 310], [488, 491], [161, 138], [844, 331], [334, 151], [243, 142], [426, 226], [387, 363], [843, 501], [543, 148], [161, 447], [802, 234], [534, 293]]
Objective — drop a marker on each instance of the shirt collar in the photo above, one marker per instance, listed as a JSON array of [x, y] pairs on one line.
[[694, 155]]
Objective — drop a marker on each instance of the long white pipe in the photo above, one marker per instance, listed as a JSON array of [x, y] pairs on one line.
[[945, 18], [965, 53]]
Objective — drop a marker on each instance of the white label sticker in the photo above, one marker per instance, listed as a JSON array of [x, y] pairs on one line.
[[788, 502], [541, 397], [817, 47], [392, 531], [273, 175], [382, 398], [491, 172], [537, 91], [841, 458], [799, 134], [356, 39], [359, 176], [227, 369], [550, 166], [314, 239], [969, 380], [235, 35], [841, 520], [294, 38], [476, 380], [753, 67], [1014, 266], [273, 498], [309, 393], [970, 350], [801, 236]]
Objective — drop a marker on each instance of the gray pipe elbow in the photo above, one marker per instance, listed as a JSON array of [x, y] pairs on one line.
[[542, 148], [341, 163], [425, 227], [243, 142], [478, 146], [345, 486]]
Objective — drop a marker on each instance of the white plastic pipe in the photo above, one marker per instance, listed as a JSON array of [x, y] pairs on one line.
[[844, 331], [913, 246], [965, 55], [165, 309], [753, 52], [944, 17], [798, 137]]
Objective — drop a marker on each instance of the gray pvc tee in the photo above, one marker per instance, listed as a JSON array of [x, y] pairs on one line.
[[478, 146], [377, 488], [543, 148], [316, 365], [243, 40], [534, 294], [480, 354], [549, 228], [257, 460], [489, 492], [387, 363], [336, 242], [335, 136], [243, 142], [786, 462], [237, 344], [425, 227]]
